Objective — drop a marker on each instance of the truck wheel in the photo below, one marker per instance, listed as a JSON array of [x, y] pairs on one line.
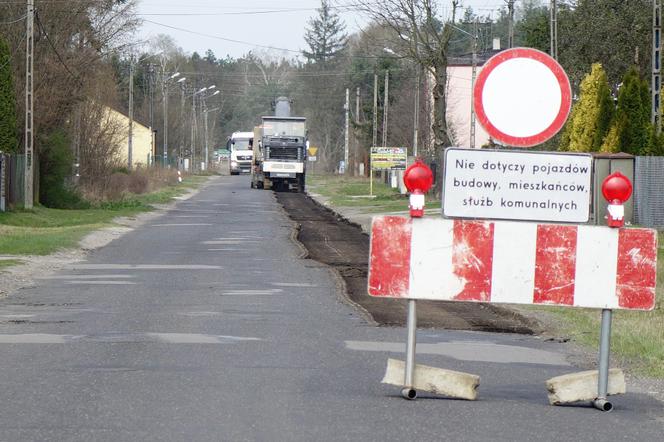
[[300, 184]]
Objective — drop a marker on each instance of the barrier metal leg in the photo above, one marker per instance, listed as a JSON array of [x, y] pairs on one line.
[[408, 391], [601, 402]]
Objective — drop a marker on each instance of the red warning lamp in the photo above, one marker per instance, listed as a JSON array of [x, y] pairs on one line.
[[617, 189], [418, 179]]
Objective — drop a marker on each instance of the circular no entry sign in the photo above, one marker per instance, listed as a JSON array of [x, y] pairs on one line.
[[522, 97]]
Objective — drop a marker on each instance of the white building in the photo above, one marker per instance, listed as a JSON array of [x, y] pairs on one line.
[[459, 99]]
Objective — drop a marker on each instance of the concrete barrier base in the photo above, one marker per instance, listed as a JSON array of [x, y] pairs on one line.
[[434, 380], [582, 386]]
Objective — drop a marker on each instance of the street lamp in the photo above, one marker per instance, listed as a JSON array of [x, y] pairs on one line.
[[205, 111], [165, 85], [194, 125]]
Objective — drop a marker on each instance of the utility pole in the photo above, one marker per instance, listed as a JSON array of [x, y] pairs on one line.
[[347, 110], [205, 112], [656, 61], [357, 122], [510, 23], [182, 140], [374, 139], [472, 86], [28, 197], [416, 111], [77, 143], [386, 104], [165, 83], [554, 29], [193, 131], [151, 107], [164, 89], [130, 136]]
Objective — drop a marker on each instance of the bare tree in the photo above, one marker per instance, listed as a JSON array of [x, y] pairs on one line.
[[71, 43], [100, 135], [423, 36]]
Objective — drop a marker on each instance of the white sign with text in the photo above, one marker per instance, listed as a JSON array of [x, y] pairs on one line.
[[500, 184]]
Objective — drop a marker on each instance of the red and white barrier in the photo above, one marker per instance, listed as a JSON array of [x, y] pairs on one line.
[[513, 262]]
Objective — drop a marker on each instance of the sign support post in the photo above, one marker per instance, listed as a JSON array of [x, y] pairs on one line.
[[370, 181], [604, 350], [418, 178], [408, 391], [616, 189]]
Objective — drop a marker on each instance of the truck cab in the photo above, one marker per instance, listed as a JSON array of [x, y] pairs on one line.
[[281, 154], [240, 145]]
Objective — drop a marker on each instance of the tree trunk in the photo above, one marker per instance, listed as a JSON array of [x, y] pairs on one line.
[[439, 126]]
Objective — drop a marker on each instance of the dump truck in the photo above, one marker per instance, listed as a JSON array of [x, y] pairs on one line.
[[240, 145], [281, 149]]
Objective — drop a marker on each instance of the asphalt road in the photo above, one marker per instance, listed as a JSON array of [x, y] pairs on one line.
[[206, 325]]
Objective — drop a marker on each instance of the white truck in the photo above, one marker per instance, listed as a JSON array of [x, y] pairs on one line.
[[240, 145]]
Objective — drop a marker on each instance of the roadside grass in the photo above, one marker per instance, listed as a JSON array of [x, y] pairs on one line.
[[42, 231], [164, 195], [637, 338], [343, 191], [41, 241], [4, 263]]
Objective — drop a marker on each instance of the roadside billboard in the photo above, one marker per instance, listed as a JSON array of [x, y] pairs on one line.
[[389, 158]]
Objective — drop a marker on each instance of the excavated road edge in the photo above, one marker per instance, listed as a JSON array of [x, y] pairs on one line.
[[330, 239]]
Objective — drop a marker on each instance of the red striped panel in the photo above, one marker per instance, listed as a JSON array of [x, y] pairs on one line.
[[637, 268], [555, 264], [389, 261], [472, 259]]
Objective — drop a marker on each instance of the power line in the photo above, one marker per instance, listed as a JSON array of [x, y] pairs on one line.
[[223, 75], [16, 49], [217, 37], [197, 14], [220, 38], [22, 2], [14, 21], [48, 39]]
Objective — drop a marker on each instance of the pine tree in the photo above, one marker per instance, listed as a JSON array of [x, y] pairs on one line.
[[8, 140], [611, 142], [325, 35], [532, 30], [631, 131], [592, 113]]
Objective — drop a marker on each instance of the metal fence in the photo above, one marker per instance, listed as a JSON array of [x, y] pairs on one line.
[[16, 174], [649, 191]]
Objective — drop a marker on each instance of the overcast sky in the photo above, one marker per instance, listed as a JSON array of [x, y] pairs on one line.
[[252, 24]]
